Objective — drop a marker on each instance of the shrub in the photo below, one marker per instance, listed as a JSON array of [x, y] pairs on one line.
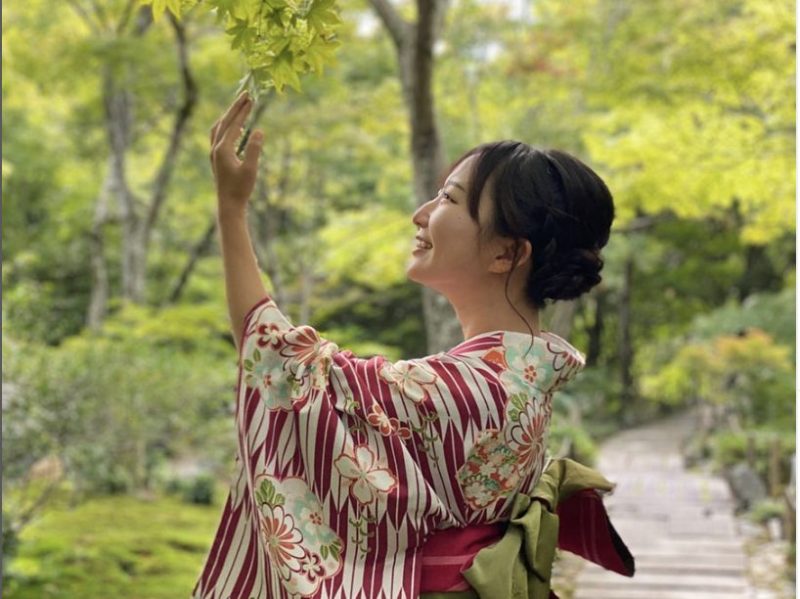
[[766, 509], [200, 490], [581, 446], [729, 448]]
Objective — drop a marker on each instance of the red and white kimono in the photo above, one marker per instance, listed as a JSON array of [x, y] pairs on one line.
[[346, 465]]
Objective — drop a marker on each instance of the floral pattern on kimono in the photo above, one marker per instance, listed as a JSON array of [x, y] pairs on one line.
[[345, 465]]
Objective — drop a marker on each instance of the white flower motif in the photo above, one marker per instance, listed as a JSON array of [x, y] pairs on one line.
[[524, 371], [310, 518], [409, 377], [270, 381], [368, 477]]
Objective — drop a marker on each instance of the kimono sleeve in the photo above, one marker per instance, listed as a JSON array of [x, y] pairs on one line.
[[389, 437]]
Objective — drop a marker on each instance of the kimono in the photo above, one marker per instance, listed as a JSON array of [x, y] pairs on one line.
[[345, 465]]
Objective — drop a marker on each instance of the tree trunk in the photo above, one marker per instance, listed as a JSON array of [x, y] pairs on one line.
[[414, 45], [594, 350], [139, 250], [98, 300], [625, 344], [118, 103], [759, 273], [560, 321]]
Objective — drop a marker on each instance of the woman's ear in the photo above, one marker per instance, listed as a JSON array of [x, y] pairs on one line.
[[505, 256]]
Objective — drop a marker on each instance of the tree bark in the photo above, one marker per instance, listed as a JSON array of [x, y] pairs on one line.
[[414, 46], [117, 104], [595, 348], [98, 300], [137, 224], [625, 343], [560, 322], [759, 273], [139, 249]]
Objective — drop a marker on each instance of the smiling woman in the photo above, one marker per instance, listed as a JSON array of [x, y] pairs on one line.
[[510, 216], [362, 478]]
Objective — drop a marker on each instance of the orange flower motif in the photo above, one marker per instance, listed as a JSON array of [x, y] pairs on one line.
[[281, 537], [386, 425], [496, 356]]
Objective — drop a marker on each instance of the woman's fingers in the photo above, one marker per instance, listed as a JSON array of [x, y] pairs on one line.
[[253, 149], [234, 129], [225, 120], [214, 133], [230, 120]]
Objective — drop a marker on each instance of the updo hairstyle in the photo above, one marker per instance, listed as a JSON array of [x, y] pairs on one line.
[[551, 199]]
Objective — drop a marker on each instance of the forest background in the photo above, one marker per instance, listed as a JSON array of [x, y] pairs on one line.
[[118, 362]]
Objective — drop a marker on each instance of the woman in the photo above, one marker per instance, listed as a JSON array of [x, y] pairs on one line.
[[361, 478]]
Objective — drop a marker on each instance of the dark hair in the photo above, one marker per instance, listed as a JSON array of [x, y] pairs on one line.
[[551, 199]]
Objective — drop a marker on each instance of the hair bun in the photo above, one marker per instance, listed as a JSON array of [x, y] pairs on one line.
[[571, 275]]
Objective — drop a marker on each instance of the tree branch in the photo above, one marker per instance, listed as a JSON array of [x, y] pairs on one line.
[[198, 251], [87, 18], [178, 129], [642, 223], [126, 16], [395, 24]]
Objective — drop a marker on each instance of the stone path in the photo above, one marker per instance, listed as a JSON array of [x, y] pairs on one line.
[[679, 525]]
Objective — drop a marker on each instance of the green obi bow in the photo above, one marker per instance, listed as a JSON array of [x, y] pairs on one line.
[[520, 564]]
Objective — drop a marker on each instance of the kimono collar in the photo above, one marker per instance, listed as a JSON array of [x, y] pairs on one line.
[[554, 359]]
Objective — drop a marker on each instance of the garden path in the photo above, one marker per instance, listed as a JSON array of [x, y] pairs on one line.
[[678, 524]]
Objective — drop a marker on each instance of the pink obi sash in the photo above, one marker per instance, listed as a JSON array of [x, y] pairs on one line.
[[446, 553], [585, 530]]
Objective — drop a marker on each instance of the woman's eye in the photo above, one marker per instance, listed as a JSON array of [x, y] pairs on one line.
[[445, 195]]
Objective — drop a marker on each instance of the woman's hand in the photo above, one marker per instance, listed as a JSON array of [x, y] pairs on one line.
[[234, 178]]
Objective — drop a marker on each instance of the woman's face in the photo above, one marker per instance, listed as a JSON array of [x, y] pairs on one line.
[[454, 262]]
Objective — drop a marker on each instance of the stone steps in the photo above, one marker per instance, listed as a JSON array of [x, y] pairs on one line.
[[656, 594], [679, 525], [701, 583]]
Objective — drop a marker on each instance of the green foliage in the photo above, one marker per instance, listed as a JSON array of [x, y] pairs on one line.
[[279, 39], [200, 490], [749, 372], [581, 446], [773, 313], [111, 409], [113, 547], [380, 255], [729, 448], [766, 510], [199, 329], [685, 108]]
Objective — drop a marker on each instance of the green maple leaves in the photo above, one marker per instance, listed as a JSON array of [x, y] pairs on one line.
[[279, 39]]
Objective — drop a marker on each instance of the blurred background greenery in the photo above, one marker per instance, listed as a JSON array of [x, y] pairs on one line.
[[118, 365]]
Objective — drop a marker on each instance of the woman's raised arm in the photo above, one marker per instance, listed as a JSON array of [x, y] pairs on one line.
[[235, 180]]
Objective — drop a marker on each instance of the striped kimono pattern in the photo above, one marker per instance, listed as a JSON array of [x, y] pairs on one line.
[[345, 465]]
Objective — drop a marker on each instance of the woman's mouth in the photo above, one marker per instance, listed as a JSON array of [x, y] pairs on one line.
[[422, 246]]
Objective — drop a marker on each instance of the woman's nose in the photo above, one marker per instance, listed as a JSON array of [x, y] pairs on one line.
[[420, 217]]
